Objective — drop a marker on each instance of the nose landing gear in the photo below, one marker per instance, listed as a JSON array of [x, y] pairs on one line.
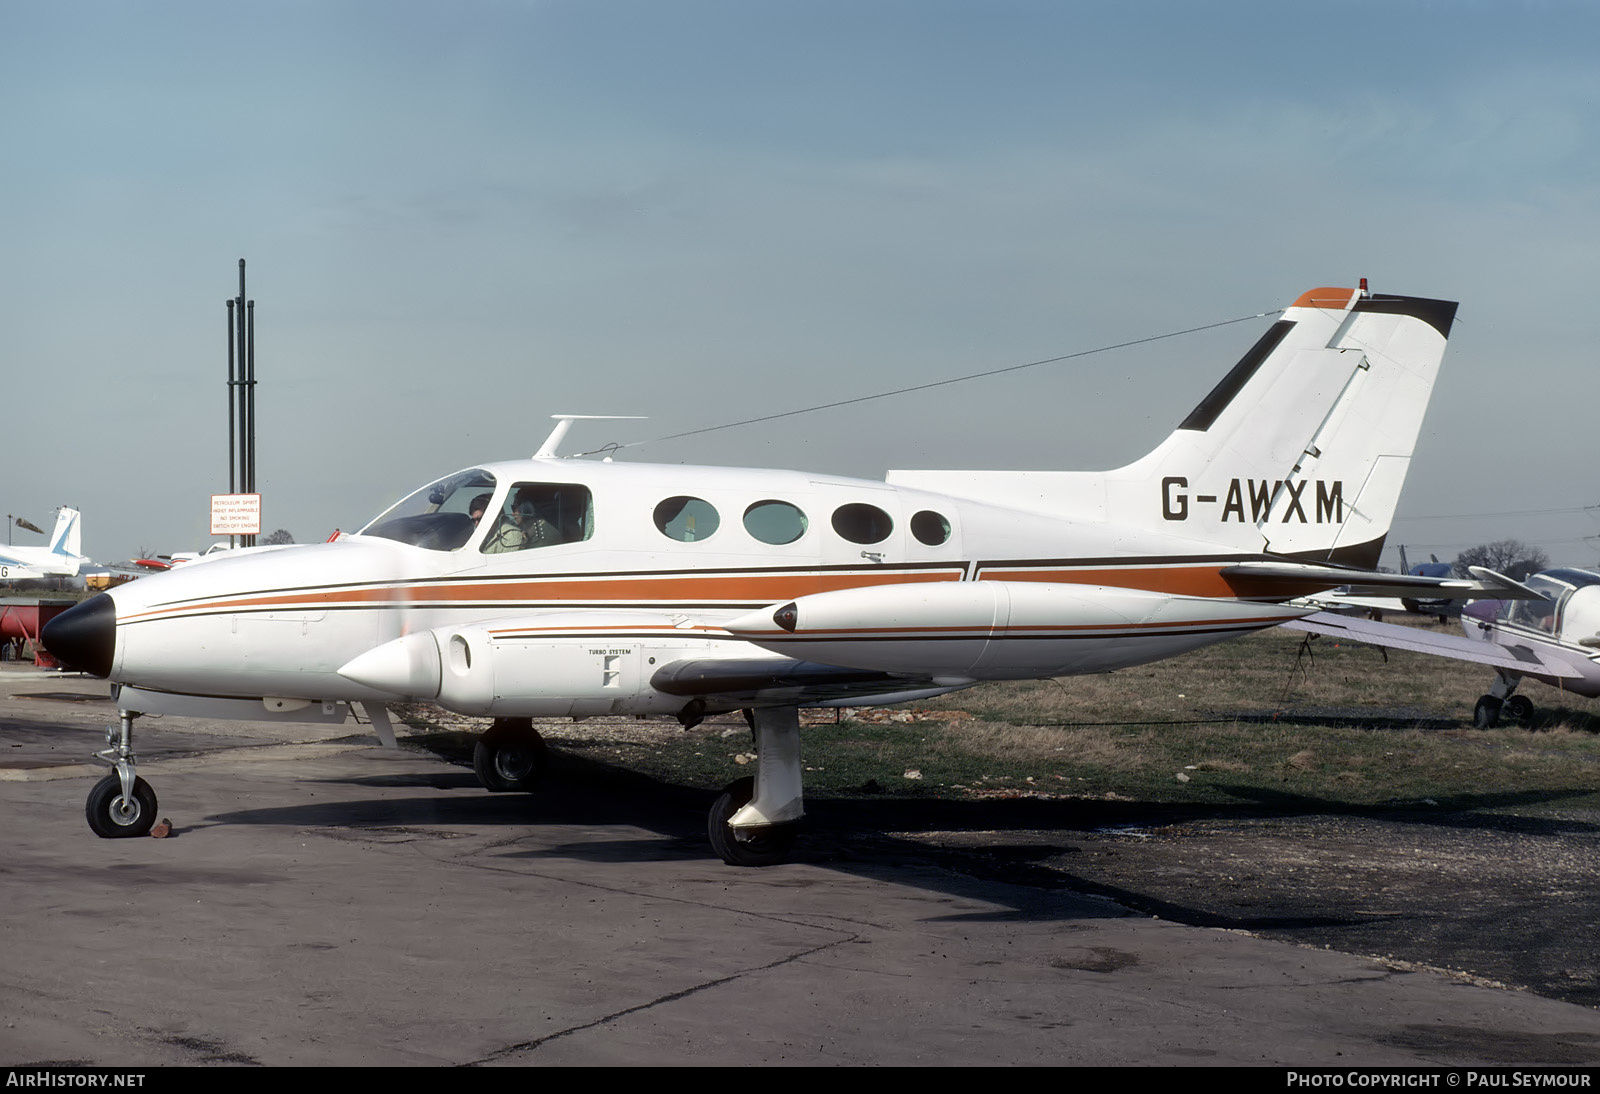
[[121, 804]]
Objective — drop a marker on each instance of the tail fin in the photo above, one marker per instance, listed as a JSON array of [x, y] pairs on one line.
[[1300, 450], [67, 537]]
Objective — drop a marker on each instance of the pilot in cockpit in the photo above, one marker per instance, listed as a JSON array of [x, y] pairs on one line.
[[525, 523]]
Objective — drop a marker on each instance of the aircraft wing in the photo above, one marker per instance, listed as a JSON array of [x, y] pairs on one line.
[[1520, 659], [1294, 579]]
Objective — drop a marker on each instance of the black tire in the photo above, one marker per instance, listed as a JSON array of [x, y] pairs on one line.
[[1518, 708], [113, 817], [510, 756], [769, 848], [1486, 715]]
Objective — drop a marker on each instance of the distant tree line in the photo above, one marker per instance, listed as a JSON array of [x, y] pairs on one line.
[[1511, 557]]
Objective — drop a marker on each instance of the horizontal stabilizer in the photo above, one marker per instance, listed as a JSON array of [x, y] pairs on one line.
[[1293, 579], [1520, 659]]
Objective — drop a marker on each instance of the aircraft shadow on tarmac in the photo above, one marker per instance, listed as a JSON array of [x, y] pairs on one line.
[[859, 835]]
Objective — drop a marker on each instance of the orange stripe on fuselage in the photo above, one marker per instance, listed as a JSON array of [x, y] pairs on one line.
[[1204, 581], [742, 588], [1200, 580]]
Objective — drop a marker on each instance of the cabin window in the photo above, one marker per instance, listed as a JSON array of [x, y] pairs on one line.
[[541, 514], [861, 523], [930, 528], [687, 520], [775, 522]]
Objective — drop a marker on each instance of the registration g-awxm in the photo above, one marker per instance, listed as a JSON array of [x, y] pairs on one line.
[[552, 586]]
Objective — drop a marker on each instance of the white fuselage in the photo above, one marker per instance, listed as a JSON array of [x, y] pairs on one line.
[[581, 626]]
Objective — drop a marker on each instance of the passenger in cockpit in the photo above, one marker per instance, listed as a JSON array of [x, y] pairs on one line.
[[524, 524]]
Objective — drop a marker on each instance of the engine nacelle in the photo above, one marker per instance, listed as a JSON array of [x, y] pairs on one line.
[[574, 663]]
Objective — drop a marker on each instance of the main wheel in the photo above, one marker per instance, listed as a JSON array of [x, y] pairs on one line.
[[1518, 707], [1486, 715], [510, 756], [113, 816], [769, 848]]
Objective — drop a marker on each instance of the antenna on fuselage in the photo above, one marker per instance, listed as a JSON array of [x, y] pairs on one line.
[[547, 451]]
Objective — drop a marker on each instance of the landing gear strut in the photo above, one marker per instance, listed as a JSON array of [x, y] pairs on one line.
[[510, 756], [1486, 715], [121, 804], [754, 822]]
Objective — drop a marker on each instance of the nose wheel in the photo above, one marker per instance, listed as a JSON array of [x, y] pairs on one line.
[[121, 804], [114, 814]]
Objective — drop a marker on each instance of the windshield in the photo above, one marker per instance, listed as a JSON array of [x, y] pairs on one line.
[[441, 516]]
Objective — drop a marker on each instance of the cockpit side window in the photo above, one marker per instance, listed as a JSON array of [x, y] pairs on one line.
[[1539, 614], [541, 514], [442, 516]]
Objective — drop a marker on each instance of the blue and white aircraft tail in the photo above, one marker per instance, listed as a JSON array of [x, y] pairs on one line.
[[61, 558]]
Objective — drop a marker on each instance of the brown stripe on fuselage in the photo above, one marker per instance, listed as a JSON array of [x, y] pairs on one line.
[[1202, 581], [757, 589], [738, 589]]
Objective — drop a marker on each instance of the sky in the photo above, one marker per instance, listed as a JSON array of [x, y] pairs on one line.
[[460, 218]]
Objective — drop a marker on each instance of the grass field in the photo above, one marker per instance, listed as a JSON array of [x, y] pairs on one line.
[[1254, 719]]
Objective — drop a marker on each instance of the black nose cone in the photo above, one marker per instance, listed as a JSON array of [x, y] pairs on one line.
[[85, 637]]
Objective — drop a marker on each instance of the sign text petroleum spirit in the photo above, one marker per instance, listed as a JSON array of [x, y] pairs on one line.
[[1263, 495]]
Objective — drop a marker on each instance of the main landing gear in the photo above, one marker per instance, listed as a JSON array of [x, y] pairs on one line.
[[1489, 711], [1501, 702], [755, 820], [510, 756], [121, 804]]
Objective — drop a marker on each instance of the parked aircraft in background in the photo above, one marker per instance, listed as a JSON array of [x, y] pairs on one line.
[[551, 586], [1545, 629], [60, 559], [1562, 629]]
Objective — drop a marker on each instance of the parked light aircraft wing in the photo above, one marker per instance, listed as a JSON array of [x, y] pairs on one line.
[[1517, 658]]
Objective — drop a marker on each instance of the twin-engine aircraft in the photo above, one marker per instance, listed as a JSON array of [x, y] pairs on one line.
[[61, 558], [551, 586]]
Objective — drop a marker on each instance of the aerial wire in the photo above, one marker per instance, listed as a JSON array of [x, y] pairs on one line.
[[932, 384]]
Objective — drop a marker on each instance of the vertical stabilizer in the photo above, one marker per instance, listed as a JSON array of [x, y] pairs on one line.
[[1301, 449], [66, 540]]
